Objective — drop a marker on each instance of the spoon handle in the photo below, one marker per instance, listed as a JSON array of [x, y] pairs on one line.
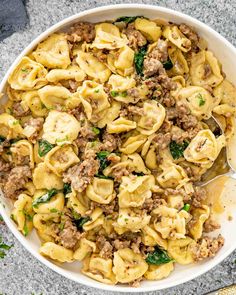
[[230, 290]]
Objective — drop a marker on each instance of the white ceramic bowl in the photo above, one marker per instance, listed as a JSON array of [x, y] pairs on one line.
[[226, 53]]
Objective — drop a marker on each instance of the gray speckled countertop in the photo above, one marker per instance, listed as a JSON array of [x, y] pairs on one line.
[[20, 272]]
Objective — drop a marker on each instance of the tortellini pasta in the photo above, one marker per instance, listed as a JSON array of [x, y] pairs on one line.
[[28, 75], [131, 219], [172, 176], [60, 128], [85, 248], [94, 100], [174, 35], [79, 203], [56, 252], [226, 93], [200, 215], [99, 269], [204, 148], [121, 125], [101, 191], [108, 37], [170, 223], [92, 66], [44, 178], [151, 121], [45, 226], [22, 152], [60, 159], [181, 250], [31, 100], [23, 213], [53, 96], [72, 72], [132, 144], [133, 192], [53, 52], [121, 62], [148, 28], [56, 203], [180, 65], [96, 219], [158, 272], [9, 126], [199, 101], [128, 266], [150, 237], [205, 69]]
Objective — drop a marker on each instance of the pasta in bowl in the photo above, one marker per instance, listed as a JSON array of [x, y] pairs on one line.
[[104, 137]]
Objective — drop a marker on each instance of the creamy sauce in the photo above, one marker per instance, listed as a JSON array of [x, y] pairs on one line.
[[214, 194], [221, 197]]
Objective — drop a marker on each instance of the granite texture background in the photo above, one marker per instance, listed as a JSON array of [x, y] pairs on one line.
[[20, 272]]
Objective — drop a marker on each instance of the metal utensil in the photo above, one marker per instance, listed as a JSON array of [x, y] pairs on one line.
[[221, 166], [230, 290]]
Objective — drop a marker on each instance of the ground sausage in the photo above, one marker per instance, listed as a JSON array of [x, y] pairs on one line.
[[152, 66], [82, 31], [81, 175], [16, 181], [36, 124], [18, 111], [135, 37], [199, 196], [207, 247], [160, 52]]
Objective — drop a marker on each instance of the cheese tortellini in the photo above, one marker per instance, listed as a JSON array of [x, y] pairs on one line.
[[53, 52], [106, 131], [60, 128], [151, 121], [128, 266], [28, 75], [199, 101], [204, 148], [205, 69]]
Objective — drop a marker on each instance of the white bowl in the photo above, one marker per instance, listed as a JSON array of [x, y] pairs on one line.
[[226, 53]]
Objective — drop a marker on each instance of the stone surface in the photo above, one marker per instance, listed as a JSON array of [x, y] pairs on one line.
[[22, 274]]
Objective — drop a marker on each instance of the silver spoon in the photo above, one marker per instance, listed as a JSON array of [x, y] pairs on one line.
[[222, 165]]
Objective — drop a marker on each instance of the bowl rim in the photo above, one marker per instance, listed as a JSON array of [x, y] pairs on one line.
[[94, 284]]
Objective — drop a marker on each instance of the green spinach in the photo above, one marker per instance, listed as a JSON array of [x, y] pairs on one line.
[[66, 188], [158, 257], [44, 198], [139, 59], [81, 221], [127, 19], [177, 150], [102, 157], [44, 147], [168, 64], [2, 139], [3, 247]]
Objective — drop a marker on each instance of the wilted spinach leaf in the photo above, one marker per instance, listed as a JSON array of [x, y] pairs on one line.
[[177, 150], [66, 188], [44, 198], [102, 157], [139, 59], [158, 257], [44, 147], [127, 19], [2, 139], [81, 221], [168, 64]]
